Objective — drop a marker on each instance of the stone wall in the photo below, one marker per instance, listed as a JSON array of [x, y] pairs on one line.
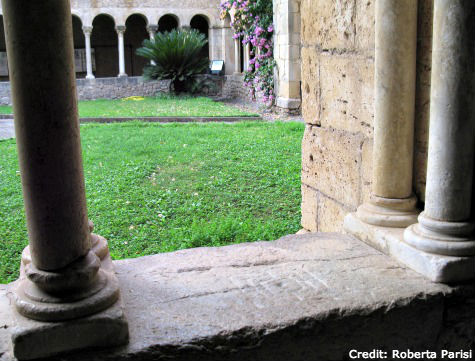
[[337, 105], [233, 87], [113, 88]]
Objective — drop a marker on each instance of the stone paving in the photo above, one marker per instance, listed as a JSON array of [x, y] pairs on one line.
[[7, 129]]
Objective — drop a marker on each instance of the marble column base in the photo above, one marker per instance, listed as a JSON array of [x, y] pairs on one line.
[[122, 75], [48, 324], [441, 237], [389, 212], [390, 241], [90, 77]]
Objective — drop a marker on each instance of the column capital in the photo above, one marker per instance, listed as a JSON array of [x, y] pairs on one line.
[[120, 29], [153, 28], [87, 30]]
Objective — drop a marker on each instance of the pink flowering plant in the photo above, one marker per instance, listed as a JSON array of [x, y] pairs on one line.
[[252, 22]]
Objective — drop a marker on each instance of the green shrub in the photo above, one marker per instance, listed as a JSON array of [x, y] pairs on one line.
[[176, 56]]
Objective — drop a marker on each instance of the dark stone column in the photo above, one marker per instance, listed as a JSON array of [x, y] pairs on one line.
[[66, 272]]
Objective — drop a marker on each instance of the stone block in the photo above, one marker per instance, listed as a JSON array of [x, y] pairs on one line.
[[329, 24], [330, 214], [365, 17], [331, 161], [104, 329], [366, 170], [309, 208], [347, 93], [289, 89], [310, 85]]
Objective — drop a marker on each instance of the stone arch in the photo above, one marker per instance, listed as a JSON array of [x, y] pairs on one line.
[[104, 43], [79, 47], [168, 22], [3, 53], [135, 34], [201, 23]]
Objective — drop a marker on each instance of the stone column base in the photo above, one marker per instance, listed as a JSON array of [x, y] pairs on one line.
[[390, 241], [72, 324], [389, 212], [288, 103], [35, 339]]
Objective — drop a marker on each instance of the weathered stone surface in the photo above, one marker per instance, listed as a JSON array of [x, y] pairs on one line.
[[306, 297], [309, 207], [364, 24], [366, 170], [330, 214], [329, 23], [310, 85], [438, 268], [331, 163], [347, 93]]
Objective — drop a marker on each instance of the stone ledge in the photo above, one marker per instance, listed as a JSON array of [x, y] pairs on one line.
[[302, 297], [438, 268]]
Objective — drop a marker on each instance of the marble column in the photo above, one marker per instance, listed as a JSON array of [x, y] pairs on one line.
[[152, 30], [120, 34], [446, 226], [87, 36], [66, 284], [247, 56], [392, 202], [237, 56]]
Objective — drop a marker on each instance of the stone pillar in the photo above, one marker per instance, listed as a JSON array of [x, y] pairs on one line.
[[247, 56], [66, 272], [287, 53], [120, 33], [392, 202], [87, 35], [446, 226], [237, 56], [152, 30], [227, 46]]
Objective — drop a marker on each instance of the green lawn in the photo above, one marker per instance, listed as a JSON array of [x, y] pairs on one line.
[[165, 105], [156, 188]]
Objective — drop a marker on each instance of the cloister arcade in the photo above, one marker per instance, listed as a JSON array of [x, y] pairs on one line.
[[106, 40]]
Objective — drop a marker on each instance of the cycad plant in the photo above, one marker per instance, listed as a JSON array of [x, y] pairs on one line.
[[177, 56]]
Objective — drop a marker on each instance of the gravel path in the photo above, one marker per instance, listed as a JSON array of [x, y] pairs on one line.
[[6, 129]]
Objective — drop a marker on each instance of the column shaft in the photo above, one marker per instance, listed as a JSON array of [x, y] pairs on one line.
[[247, 56], [395, 81], [152, 29], [237, 56], [392, 202], [445, 227], [47, 130], [120, 34], [451, 134], [87, 37]]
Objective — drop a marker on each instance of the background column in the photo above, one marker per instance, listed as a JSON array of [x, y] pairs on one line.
[[87, 36], [392, 202], [237, 56], [152, 30], [120, 33]]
